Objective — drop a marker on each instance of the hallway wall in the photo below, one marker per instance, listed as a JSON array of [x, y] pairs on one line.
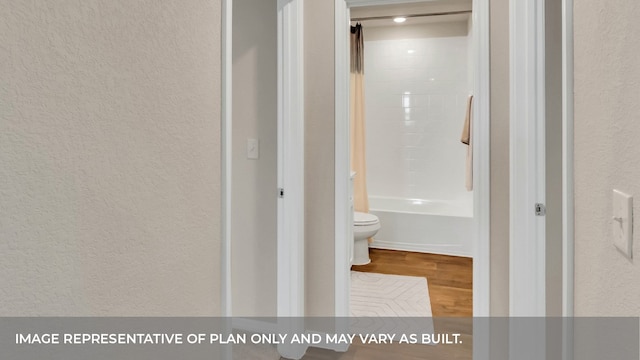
[[110, 153], [607, 154]]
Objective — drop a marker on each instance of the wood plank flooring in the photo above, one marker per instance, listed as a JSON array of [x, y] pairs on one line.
[[450, 288]]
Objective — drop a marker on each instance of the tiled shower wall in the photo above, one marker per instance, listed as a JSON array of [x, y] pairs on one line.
[[415, 94]]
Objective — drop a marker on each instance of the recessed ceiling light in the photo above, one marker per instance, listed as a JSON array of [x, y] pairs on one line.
[[399, 19]]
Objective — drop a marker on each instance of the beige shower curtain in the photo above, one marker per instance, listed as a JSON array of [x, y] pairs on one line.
[[358, 163]]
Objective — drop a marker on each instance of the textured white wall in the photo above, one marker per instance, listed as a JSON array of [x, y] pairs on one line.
[[607, 155], [110, 160], [416, 92], [253, 233]]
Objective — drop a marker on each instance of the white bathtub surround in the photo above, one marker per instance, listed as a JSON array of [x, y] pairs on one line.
[[430, 226], [417, 91]]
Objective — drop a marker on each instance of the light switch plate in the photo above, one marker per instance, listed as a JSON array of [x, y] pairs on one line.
[[253, 149], [622, 222]]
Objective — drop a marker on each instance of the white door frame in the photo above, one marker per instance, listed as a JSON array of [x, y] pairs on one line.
[[482, 160], [567, 159], [343, 192], [527, 285], [290, 159], [226, 160], [527, 266], [481, 132], [290, 253], [567, 179], [290, 239], [527, 145]]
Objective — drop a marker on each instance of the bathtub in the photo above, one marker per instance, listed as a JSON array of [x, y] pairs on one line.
[[430, 226]]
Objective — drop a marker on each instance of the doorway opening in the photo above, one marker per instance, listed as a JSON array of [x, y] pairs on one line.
[[420, 74]]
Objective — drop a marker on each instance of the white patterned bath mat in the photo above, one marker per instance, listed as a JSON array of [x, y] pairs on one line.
[[381, 295]]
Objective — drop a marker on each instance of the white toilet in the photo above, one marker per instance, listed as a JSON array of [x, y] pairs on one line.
[[364, 226]]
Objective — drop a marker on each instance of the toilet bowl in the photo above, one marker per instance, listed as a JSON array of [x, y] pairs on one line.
[[364, 226]]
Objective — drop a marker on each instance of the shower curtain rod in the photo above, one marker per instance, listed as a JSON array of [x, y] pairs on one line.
[[412, 16]]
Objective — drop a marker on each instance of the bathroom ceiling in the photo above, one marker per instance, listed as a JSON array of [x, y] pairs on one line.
[[426, 7]]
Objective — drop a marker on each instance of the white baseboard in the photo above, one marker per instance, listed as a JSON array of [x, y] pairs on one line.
[[452, 250], [254, 326], [334, 347], [264, 327]]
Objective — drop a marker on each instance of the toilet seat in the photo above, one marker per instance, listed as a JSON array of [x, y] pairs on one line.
[[364, 219]]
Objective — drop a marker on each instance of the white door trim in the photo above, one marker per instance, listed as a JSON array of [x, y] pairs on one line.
[[482, 160], [225, 167], [527, 295], [567, 179], [567, 158], [290, 159], [290, 252], [482, 177], [343, 216], [225, 130]]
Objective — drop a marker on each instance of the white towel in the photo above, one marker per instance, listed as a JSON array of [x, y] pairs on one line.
[[466, 128], [468, 139]]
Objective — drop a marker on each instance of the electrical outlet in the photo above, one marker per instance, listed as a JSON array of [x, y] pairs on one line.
[[622, 222]]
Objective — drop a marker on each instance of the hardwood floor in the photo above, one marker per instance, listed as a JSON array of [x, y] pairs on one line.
[[449, 277], [450, 288]]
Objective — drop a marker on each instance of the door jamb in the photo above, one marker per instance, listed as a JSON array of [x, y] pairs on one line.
[[567, 157], [568, 251], [226, 160], [527, 260], [291, 240], [343, 191]]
